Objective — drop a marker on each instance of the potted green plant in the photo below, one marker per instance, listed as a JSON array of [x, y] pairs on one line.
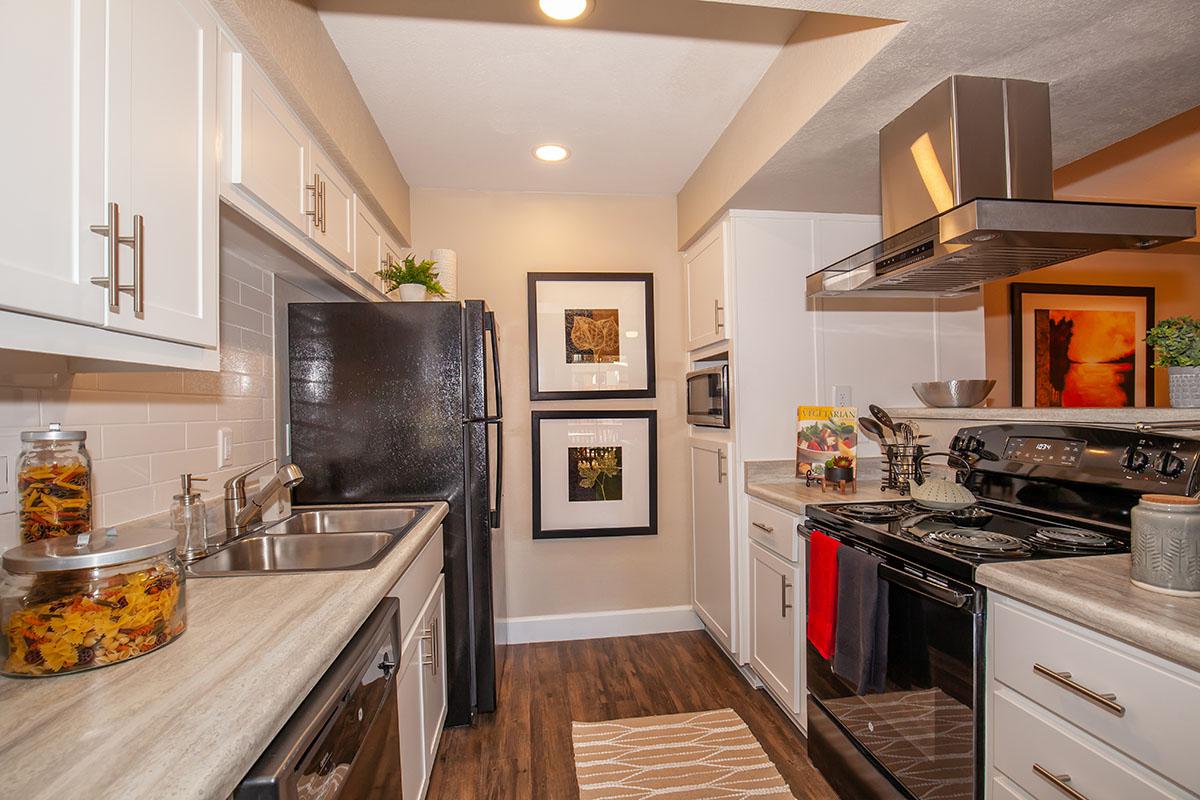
[[412, 279], [1176, 344]]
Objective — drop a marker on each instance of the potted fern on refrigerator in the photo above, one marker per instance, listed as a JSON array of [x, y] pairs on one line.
[[414, 280], [1176, 344]]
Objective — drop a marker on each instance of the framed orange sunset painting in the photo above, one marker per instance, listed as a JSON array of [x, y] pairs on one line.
[[1081, 346]]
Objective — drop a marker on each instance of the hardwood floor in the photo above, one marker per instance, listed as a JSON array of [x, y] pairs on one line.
[[523, 751]]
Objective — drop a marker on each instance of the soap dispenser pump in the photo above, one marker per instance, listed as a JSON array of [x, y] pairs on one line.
[[190, 520]]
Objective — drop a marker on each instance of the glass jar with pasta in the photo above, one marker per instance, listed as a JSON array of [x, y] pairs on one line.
[[71, 603], [54, 479]]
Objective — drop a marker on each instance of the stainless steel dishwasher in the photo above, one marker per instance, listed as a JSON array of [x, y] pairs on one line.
[[343, 741]]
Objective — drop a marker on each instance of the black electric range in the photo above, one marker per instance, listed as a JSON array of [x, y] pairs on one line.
[[1043, 491]]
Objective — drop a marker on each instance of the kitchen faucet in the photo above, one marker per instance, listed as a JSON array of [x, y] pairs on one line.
[[240, 511]]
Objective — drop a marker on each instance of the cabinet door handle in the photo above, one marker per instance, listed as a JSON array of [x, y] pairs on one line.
[[315, 188], [718, 322], [783, 590], [323, 216], [762, 527], [111, 230], [721, 474], [1060, 782], [427, 655], [138, 242], [437, 647], [1107, 700]]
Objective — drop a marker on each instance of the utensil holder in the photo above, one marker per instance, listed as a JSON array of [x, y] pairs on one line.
[[901, 462]]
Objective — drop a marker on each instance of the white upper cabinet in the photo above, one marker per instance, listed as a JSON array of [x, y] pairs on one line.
[[117, 124], [707, 289], [368, 243], [162, 165], [52, 97], [267, 155]]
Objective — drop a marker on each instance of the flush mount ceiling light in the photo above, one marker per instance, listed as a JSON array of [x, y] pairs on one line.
[[551, 153], [565, 10]]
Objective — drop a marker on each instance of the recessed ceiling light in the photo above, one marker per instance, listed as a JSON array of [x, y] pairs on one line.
[[565, 10], [551, 153]]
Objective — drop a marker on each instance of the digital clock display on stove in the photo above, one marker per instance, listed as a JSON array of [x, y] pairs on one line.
[[1055, 452]]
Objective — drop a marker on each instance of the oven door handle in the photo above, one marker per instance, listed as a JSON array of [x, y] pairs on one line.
[[929, 589]]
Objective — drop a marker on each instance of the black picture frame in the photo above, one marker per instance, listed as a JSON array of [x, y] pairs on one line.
[[537, 417], [535, 390], [1017, 293]]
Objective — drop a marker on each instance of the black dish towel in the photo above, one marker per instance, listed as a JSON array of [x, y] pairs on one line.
[[860, 649]]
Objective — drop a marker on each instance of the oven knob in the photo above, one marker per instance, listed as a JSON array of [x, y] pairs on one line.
[[1169, 465], [1135, 459], [966, 444]]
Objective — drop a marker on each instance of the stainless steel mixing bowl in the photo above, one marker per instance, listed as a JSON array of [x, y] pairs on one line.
[[953, 394]]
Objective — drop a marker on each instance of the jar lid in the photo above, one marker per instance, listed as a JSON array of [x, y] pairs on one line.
[[55, 434], [96, 548]]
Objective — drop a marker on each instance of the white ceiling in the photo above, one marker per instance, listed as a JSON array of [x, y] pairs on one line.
[[462, 90], [1114, 67]]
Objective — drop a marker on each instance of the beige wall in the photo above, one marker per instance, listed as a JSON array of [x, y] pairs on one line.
[[288, 40], [1158, 165], [499, 237], [823, 53]]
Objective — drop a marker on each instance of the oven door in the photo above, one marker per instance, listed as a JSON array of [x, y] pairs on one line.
[[708, 397], [924, 730]]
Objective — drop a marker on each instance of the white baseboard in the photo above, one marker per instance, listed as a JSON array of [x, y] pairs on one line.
[[596, 625]]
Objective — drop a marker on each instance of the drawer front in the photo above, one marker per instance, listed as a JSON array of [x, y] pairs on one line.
[[1024, 738], [774, 529], [1004, 789], [416, 584], [1158, 726]]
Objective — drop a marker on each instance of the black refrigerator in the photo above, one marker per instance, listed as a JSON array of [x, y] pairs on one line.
[[393, 402]]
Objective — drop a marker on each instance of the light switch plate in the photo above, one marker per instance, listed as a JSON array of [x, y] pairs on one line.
[[224, 447], [843, 395]]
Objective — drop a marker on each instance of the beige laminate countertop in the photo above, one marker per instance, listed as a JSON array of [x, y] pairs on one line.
[[189, 720], [1095, 592], [792, 495]]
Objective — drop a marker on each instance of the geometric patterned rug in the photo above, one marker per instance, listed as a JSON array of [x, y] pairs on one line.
[[710, 755]]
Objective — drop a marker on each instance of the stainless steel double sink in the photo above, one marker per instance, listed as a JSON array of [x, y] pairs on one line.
[[315, 539]]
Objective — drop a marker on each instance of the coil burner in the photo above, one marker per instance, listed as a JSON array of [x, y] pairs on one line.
[[1074, 540], [974, 542]]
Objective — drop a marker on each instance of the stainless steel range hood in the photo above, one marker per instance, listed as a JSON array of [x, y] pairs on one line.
[[966, 176]]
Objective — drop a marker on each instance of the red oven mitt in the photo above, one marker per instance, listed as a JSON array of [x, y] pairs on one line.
[[822, 592]]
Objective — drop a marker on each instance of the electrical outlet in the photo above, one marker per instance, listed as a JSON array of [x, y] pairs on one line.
[[224, 447], [843, 395]]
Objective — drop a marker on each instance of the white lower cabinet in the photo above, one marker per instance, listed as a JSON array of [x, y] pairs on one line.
[[1074, 713], [713, 541], [421, 690], [776, 607]]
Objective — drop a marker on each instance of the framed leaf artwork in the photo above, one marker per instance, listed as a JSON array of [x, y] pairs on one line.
[[1081, 346], [595, 473], [591, 335]]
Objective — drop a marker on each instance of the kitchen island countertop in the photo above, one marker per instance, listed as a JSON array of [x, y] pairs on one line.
[[189, 720], [1095, 591]]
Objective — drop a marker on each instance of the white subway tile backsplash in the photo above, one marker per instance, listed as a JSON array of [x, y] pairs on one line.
[[204, 434], [130, 440], [84, 406], [230, 408], [259, 301], [257, 342], [126, 505], [233, 266], [241, 316], [115, 474], [141, 381], [201, 461], [181, 408], [258, 430], [19, 408]]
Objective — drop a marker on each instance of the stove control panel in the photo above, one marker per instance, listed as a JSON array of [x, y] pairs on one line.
[[1099, 456]]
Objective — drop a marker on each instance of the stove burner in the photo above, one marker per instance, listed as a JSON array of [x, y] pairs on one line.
[[971, 516], [1074, 539], [871, 511], [972, 541]]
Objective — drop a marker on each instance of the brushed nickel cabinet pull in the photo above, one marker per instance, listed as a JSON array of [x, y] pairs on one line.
[[437, 648], [138, 242], [1060, 782], [1107, 700], [315, 188], [721, 474], [762, 527], [784, 586], [717, 320], [112, 256], [323, 217], [427, 654]]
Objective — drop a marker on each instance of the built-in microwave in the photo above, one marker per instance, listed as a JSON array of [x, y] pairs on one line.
[[708, 397]]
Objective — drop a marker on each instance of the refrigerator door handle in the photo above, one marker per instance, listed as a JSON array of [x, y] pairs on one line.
[[489, 324], [494, 514]]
